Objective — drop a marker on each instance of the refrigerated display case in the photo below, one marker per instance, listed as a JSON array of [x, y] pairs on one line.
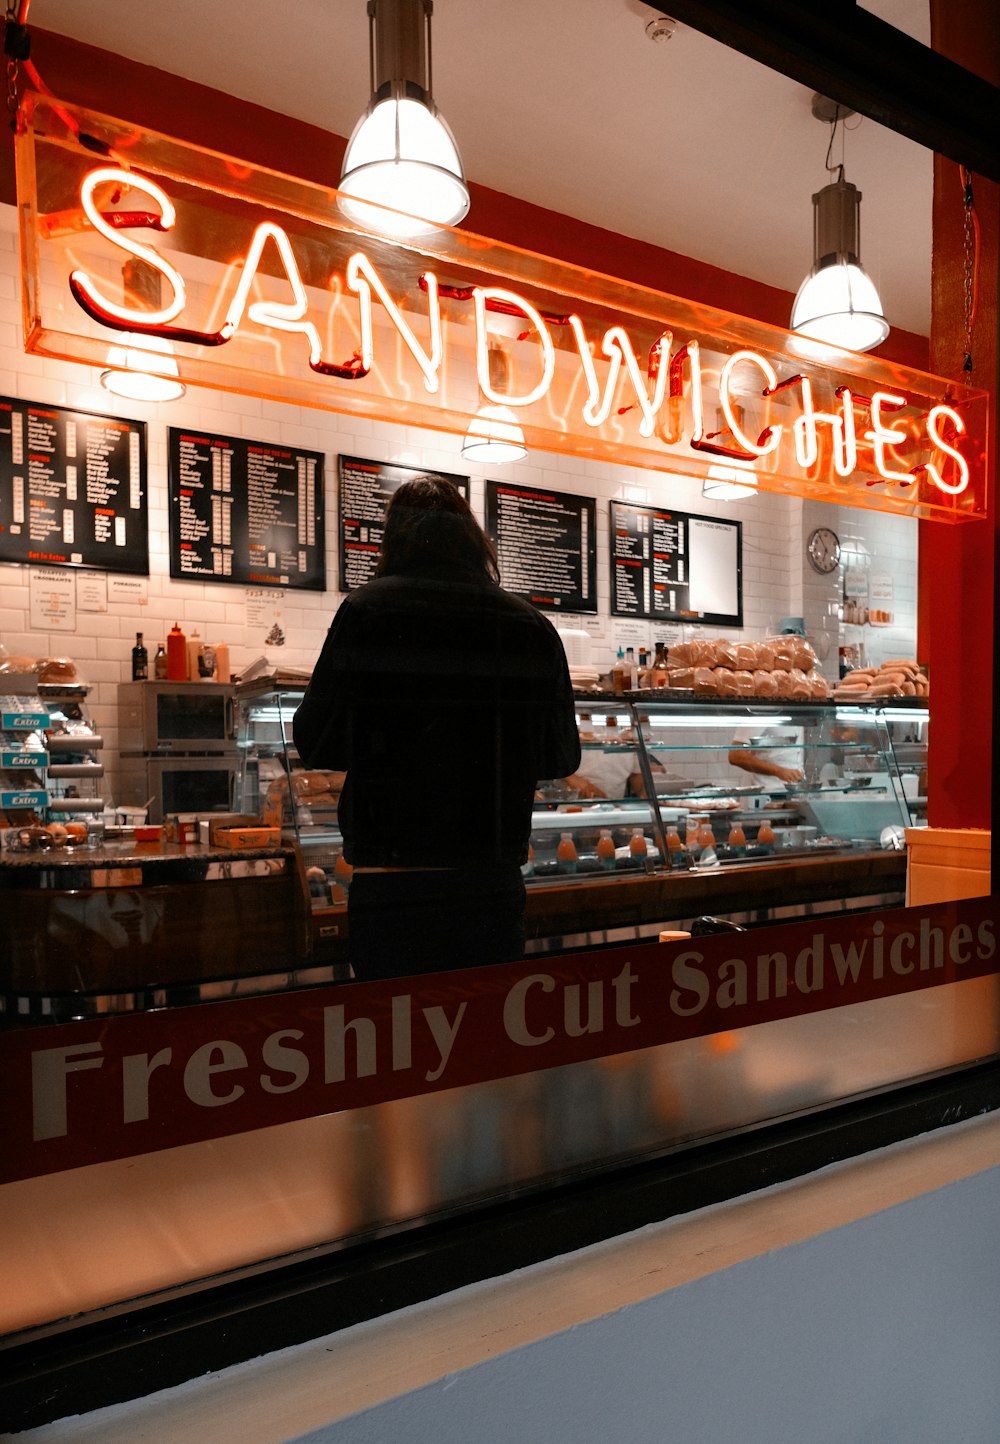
[[659, 825]]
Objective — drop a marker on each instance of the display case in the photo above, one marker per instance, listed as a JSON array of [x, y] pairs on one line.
[[659, 823], [76, 772]]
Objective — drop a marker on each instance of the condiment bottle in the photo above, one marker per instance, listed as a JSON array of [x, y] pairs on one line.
[[643, 672], [194, 655], [659, 672], [343, 873], [177, 656], [765, 835], [160, 663], [606, 850], [631, 669], [140, 660], [222, 672], [737, 839], [619, 674], [566, 853], [637, 845]]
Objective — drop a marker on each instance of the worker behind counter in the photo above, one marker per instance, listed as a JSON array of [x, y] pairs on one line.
[[773, 751], [444, 699]]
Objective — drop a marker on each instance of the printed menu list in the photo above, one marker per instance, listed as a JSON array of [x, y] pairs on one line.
[[245, 512], [72, 488], [366, 488], [675, 566], [546, 544]]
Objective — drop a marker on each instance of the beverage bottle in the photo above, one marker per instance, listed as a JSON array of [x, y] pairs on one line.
[[619, 674], [737, 840], [160, 663], [177, 657], [566, 853], [343, 872], [606, 850], [140, 660], [194, 655], [528, 868], [765, 835], [674, 844], [222, 672], [631, 668], [706, 837], [691, 835], [637, 846]]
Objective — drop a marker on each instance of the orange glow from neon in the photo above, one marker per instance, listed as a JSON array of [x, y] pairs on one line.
[[882, 436], [111, 175], [617, 347], [729, 411], [691, 353], [283, 315], [845, 440], [363, 278], [481, 295], [937, 415]]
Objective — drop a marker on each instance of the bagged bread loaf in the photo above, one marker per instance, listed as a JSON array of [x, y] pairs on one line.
[[784, 653], [704, 682], [764, 684], [681, 676], [801, 690], [725, 681], [725, 655], [744, 683]]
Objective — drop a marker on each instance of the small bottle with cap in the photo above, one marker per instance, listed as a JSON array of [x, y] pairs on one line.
[[567, 857]]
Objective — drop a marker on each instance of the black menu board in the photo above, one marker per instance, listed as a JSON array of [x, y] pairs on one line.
[[247, 512], [546, 544], [72, 488], [365, 489], [675, 566]]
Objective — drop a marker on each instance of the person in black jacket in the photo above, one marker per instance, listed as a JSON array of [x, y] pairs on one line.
[[444, 699]]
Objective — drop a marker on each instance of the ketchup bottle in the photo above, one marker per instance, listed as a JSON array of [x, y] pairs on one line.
[[177, 657]]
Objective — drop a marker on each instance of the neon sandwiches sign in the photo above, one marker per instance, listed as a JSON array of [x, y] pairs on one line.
[[282, 300]]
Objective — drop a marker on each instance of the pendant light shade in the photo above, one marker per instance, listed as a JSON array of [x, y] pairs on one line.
[[138, 375], [837, 302], [402, 154], [494, 437]]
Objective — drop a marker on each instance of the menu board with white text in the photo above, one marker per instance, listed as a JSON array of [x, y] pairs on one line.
[[546, 545], [72, 488], [246, 512], [675, 566], [366, 488]]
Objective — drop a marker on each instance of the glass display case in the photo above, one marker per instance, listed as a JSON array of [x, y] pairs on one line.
[[707, 783], [665, 788]]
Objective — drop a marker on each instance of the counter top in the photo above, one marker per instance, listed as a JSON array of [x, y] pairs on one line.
[[124, 862]]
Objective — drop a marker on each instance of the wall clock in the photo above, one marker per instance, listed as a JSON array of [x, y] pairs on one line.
[[823, 549]]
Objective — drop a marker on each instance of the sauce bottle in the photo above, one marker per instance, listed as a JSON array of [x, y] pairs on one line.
[[643, 672], [606, 850], [222, 672], [140, 660], [659, 672], [160, 663], [177, 657], [631, 669], [343, 872], [619, 674], [566, 853], [194, 655]]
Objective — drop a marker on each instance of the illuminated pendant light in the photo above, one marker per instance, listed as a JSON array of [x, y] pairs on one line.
[[731, 478], [140, 376], [837, 302], [141, 367], [494, 435], [402, 154]]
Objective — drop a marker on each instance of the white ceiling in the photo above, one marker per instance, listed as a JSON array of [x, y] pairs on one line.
[[568, 104]]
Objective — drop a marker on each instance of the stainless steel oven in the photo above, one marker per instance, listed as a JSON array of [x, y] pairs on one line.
[[190, 717], [177, 784]]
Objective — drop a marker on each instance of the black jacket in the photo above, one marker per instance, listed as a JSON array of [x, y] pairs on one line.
[[445, 699]]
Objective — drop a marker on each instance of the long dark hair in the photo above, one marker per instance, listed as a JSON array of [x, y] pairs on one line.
[[429, 524]]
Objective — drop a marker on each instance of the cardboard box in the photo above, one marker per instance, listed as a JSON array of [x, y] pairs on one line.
[[248, 837], [211, 826]]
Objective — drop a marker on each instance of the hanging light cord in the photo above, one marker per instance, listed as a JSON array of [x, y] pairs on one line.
[[970, 265], [829, 150]]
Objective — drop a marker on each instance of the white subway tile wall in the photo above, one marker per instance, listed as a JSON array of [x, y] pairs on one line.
[[777, 580]]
